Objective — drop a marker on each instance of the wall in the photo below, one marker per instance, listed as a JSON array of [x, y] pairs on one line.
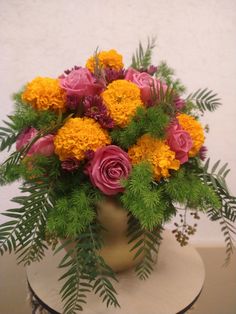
[[196, 37]]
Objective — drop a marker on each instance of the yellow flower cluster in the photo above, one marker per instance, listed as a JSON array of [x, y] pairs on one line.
[[157, 153], [45, 93], [77, 136], [122, 98], [107, 59], [195, 130]]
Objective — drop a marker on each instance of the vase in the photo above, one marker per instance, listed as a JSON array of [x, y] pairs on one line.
[[116, 250]]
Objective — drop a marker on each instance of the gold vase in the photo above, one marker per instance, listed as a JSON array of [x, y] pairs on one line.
[[116, 250]]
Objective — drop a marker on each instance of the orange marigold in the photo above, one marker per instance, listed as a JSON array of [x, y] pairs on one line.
[[157, 152], [77, 136], [195, 130], [107, 59], [122, 98], [45, 93]]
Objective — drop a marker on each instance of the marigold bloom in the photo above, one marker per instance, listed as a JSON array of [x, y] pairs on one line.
[[45, 93], [157, 153], [107, 59], [122, 98], [195, 130], [77, 136]]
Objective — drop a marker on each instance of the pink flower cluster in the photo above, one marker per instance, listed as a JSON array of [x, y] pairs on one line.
[[42, 146], [179, 141]]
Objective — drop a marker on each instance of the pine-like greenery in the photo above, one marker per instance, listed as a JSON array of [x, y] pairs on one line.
[[141, 199], [73, 212], [25, 116], [186, 187], [153, 121], [166, 74]]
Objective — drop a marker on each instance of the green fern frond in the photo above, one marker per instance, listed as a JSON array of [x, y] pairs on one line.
[[8, 135], [226, 215], [204, 99], [142, 57], [25, 232], [146, 243], [86, 271]]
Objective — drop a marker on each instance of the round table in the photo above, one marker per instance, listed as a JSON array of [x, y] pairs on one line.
[[173, 287]]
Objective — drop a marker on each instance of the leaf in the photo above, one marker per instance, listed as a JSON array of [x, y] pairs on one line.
[[205, 99], [142, 57]]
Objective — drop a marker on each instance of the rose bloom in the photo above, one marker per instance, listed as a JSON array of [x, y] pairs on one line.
[[109, 165], [43, 146], [25, 137], [180, 142], [80, 82], [146, 83]]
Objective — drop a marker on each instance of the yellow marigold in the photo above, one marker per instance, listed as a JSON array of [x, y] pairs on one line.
[[122, 98], [77, 136], [45, 93], [195, 130], [157, 152], [107, 59]]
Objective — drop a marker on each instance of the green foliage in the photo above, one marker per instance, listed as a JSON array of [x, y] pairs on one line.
[[141, 199], [24, 233], [142, 57], [185, 187], [153, 121], [29, 167], [86, 271], [226, 214], [73, 212], [8, 135], [166, 74], [145, 243], [203, 100], [25, 116]]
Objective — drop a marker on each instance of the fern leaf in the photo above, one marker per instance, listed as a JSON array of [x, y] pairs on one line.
[[142, 57], [226, 215], [145, 243], [205, 99]]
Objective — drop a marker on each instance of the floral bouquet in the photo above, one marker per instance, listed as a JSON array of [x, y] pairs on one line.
[[105, 133]]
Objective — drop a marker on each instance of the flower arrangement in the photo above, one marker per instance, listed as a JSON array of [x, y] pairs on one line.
[[105, 132]]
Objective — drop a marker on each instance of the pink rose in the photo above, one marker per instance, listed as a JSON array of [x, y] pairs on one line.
[[43, 146], [180, 142], [109, 165], [25, 137], [146, 83], [80, 82], [179, 103]]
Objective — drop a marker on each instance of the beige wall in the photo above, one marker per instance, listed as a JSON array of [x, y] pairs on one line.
[[219, 292]]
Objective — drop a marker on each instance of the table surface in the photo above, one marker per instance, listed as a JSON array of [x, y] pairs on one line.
[[175, 283]]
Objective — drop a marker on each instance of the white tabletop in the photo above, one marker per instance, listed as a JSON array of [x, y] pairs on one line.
[[177, 280]]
